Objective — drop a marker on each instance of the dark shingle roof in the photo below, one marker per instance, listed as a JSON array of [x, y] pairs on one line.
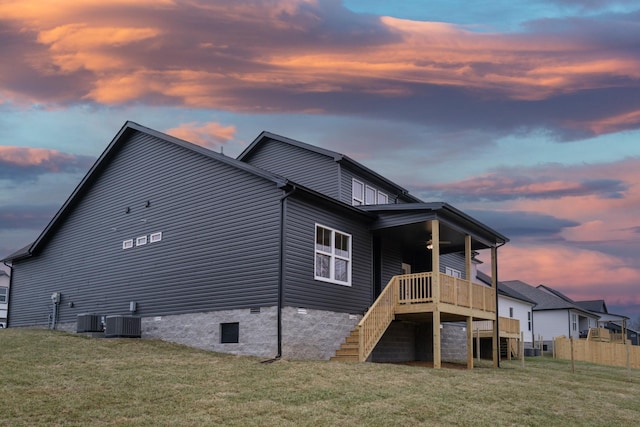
[[544, 300]]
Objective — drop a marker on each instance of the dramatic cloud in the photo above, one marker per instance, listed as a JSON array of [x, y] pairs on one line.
[[20, 164], [209, 135], [517, 225], [317, 56]]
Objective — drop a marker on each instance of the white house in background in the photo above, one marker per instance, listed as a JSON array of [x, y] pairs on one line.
[[615, 323], [553, 315], [4, 298], [514, 305]]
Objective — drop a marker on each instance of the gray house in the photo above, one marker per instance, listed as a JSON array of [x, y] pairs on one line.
[[289, 250]]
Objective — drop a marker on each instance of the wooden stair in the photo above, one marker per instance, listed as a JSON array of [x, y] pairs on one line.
[[350, 349]]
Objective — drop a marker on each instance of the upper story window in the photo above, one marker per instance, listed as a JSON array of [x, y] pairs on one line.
[[332, 256], [453, 272], [366, 195], [3, 294]]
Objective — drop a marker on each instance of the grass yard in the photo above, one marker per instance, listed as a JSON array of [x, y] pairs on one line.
[[59, 379]]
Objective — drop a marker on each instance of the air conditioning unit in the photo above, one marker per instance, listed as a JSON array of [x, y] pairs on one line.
[[89, 322], [123, 327]]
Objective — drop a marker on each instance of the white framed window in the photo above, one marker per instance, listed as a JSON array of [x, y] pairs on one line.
[[332, 256], [142, 240], [453, 272], [4, 292], [127, 244], [357, 191], [574, 321], [511, 312], [370, 195], [383, 199], [529, 319], [155, 237]]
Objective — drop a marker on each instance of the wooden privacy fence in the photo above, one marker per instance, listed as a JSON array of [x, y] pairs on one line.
[[603, 353]]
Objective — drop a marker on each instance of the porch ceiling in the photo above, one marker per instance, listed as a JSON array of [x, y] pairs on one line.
[[416, 236]]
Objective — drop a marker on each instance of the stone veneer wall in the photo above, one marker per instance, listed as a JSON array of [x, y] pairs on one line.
[[257, 331], [453, 341], [306, 333], [314, 334]]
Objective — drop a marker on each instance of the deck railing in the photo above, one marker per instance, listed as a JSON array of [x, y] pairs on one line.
[[420, 288], [505, 324]]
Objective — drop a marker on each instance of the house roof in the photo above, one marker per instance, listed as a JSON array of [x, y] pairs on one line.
[[504, 290], [338, 157], [597, 306], [121, 137], [545, 300]]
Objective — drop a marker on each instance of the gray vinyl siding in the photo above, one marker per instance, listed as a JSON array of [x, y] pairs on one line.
[[219, 248], [455, 261], [301, 289], [312, 170], [391, 260]]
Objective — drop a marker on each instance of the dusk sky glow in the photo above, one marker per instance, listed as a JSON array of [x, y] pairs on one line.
[[524, 114]]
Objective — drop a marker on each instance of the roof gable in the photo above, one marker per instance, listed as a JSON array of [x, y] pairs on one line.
[[547, 299], [362, 170], [121, 138]]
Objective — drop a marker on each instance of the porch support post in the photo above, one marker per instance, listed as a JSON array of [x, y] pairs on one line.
[[435, 258], [437, 351], [470, 342], [494, 284]]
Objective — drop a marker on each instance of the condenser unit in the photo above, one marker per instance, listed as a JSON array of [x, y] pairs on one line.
[[89, 322], [123, 327]]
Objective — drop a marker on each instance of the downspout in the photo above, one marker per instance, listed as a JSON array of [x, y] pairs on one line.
[[281, 261], [10, 288]]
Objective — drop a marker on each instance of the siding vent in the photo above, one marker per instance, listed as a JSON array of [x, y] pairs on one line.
[[254, 310], [229, 333], [123, 327], [302, 311]]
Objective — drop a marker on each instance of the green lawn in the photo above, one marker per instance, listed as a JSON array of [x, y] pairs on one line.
[[54, 378]]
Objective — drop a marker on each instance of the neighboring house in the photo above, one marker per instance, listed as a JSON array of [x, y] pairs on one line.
[[554, 313], [4, 297], [615, 323], [277, 253], [512, 305]]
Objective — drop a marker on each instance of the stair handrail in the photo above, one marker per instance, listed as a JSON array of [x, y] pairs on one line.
[[375, 322]]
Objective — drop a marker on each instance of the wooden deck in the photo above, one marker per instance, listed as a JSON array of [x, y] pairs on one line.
[[422, 294]]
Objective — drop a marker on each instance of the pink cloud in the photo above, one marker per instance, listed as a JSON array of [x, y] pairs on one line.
[[208, 135]]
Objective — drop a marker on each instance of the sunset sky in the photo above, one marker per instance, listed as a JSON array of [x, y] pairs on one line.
[[523, 113]]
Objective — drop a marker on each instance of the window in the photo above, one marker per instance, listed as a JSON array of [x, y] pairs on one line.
[[574, 322], [3, 294], [366, 195], [229, 333], [383, 199], [370, 196], [127, 244], [357, 190], [155, 237], [142, 240], [529, 319], [453, 272], [333, 256], [511, 312]]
